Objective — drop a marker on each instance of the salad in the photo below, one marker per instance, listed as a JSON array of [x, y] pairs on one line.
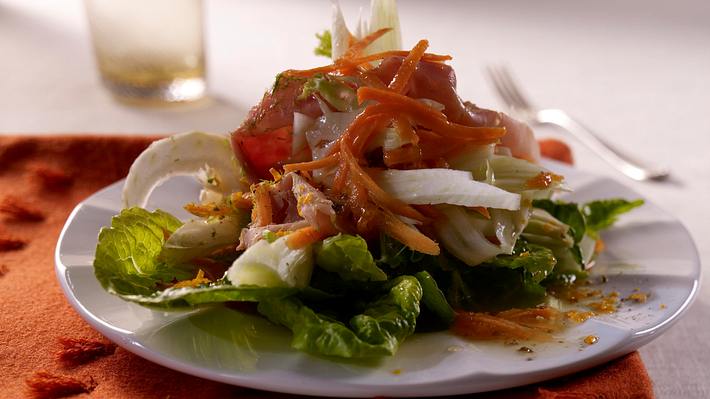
[[358, 203]]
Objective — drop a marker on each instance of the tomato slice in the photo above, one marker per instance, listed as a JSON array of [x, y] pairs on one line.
[[264, 150]]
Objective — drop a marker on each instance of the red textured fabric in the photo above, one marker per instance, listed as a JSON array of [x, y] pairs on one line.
[[53, 174]]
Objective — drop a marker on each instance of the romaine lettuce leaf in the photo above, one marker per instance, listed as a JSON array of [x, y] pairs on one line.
[[433, 298], [504, 282], [536, 260], [487, 288], [394, 254], [377, 331], [349, 257], [567, 213], [602, 214], [127, 261], [211, 293]]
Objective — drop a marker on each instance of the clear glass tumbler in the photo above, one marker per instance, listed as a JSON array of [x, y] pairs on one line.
[[149, 51]]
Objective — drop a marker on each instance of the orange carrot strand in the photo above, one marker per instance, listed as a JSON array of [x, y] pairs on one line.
[[304, 237], [379, 196], [262, 214], [398, 100], [405, 129], [348, 65], [409, 65], [329, 161], [359, 46], [408, 235]]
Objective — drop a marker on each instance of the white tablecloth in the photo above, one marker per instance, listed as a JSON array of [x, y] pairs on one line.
[[637, 71]]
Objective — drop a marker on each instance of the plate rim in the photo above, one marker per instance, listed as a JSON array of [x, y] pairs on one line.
[[451, 386]]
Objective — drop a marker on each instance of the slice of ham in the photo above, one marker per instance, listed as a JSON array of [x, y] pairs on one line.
[[437, 82], [264, 140], [297, 204], [313, 205], [251, 235]]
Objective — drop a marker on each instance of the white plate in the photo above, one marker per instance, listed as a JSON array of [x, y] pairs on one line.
[[648, 250]]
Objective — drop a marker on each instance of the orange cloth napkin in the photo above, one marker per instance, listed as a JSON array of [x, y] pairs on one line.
[[44, 344]]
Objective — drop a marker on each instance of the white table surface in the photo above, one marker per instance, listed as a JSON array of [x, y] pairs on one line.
[[638, 72]]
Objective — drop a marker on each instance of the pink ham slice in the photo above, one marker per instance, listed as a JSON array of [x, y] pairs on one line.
[[297, 204], [437, 82], [264, 140]]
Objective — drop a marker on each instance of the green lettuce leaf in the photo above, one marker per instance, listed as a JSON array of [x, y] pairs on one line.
[[602, 214], [490, 289], [377, 331], [349, 257], [569, 259], [434, 299], [504, 282], [127, 261], [325, 44], [567, 213], [211, 293], [394, 254], [535, 260]]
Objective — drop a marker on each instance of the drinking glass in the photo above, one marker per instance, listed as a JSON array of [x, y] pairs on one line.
[[149, 51]]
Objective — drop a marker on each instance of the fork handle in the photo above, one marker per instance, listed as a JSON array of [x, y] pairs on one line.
[[618, 160]]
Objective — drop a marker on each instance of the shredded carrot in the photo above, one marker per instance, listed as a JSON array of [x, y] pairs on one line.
[[303, 237], [349, 64], [408, 235], [363, 121], [378, 195], [198, 280], [403, 103], [240, 200], [435, 147], [327, 162], [405, 130], [480, 134], [427, 116], [370, 79], [262, 213], [364, 213], [275, 174], [428, 57], [409, 154], [374, 125], [356, 48], [208, 210], [409, 65], [341, 177]]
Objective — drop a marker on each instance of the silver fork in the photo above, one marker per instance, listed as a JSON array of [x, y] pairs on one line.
[[511, 94]]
